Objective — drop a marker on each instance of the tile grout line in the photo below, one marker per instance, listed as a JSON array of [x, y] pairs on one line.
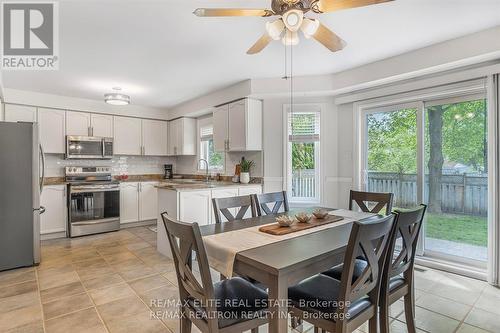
[[40, 299]]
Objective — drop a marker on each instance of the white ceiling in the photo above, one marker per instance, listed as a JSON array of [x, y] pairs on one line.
[[161, 54]]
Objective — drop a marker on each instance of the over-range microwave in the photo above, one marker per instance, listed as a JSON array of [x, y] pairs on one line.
[[88, 147]]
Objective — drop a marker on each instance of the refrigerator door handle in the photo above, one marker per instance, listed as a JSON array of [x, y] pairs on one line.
[[42, 177], [42, 210]]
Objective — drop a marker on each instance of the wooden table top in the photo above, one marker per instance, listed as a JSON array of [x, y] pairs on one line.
[[290, 253]]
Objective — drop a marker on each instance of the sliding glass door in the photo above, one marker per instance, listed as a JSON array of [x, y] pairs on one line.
[[456, 178], [435, 152]]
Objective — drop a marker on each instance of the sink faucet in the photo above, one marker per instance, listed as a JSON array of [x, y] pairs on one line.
[[207, 179]]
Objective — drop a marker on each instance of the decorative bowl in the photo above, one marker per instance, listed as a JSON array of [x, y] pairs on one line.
[[320, 213], [284, 220], [303, 217]]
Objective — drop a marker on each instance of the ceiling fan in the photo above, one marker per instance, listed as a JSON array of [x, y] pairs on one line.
[[292, 19]]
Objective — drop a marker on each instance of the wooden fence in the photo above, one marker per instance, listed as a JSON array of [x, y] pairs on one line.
[[303, 184], [460, 194]]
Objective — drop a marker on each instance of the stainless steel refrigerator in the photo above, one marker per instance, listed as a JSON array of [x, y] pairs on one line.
[[21, 182]]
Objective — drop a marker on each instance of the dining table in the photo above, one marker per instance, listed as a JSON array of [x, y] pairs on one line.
[[283, 263]]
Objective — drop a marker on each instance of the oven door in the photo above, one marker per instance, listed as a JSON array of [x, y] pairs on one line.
[[93, 209], [83, 147]]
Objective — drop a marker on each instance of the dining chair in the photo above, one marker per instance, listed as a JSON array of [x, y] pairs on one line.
[[228, 306], [222, 206], [343, 305], [398, 278], [262, 202], [381, 200], [398, 274]]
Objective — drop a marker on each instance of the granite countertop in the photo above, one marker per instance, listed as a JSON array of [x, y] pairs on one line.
[[195, 185]]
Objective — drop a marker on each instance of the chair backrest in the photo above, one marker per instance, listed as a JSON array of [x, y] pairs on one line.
[[381, 200], [222, 206], [185, 239], [407, 226], [370, 240], [262, 202]]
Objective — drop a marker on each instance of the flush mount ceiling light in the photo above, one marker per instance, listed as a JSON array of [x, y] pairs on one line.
[[292, 19], [117, 98]]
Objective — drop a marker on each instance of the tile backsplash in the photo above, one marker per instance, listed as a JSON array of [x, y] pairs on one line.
[[130, 165]]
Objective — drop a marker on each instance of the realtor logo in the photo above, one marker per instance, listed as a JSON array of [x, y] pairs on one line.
[[30, 36]]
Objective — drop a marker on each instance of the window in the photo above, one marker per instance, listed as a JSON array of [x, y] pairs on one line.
[[215, 159], [303, 156]]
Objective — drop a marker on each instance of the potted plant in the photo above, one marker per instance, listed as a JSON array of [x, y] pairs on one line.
[[245, 166]]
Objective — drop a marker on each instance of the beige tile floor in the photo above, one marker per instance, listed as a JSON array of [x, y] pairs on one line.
[[110, 283]]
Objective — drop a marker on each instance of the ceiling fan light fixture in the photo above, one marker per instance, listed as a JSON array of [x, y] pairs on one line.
[[293, 19], [290, 38], [275, 29], [309, 27]]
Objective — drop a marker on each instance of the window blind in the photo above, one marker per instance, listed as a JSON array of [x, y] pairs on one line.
[[306, 126], [206, 133]]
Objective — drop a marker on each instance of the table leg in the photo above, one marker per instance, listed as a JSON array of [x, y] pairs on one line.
[[278, 296]]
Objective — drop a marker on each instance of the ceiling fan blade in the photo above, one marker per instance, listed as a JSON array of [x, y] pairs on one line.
[[213, 12], [328, 38], [325, 6], [260, 44]]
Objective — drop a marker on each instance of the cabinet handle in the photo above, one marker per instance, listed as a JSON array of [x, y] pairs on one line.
[[89, 130]]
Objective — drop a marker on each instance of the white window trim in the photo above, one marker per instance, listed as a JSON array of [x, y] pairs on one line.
[[287, 174], [204, 122]]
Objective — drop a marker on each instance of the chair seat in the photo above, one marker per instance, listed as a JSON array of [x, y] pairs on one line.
[[320, 293], [237, 300], [359, 267]]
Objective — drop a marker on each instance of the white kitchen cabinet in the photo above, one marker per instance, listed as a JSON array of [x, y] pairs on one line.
[[241, 128], [182, 137], [194, 206], [52, 130], [148, 201], [223, 193], [78, 123], [16, 113], [101, 125], [54, 220], [129, 202], [127, 136], [220, 124], [154, 137]]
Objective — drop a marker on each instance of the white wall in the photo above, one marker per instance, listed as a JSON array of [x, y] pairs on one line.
[[274, 146]]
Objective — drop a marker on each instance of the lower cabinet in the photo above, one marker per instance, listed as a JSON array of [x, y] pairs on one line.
[[129, 202], [138, 202], [54, 219], [194, 206], [148, 201], [247, 190]]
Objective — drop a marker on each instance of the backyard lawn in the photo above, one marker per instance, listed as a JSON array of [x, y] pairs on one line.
[[458, 228]]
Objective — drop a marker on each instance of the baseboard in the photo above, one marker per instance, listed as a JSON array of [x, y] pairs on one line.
[[53, 235], [138, 224]]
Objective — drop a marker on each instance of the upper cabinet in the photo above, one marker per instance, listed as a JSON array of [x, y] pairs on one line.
[[52, 128], [78, 124], [128, 136], [16, 113], [182, 137], [101, 125], [154, 137], [238, 126], [89, 124], [220, 123]]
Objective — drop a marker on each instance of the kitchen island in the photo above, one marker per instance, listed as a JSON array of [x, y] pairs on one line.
[[190, 200]]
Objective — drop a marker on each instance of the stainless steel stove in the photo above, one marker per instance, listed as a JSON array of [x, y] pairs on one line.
[[93, 201]]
